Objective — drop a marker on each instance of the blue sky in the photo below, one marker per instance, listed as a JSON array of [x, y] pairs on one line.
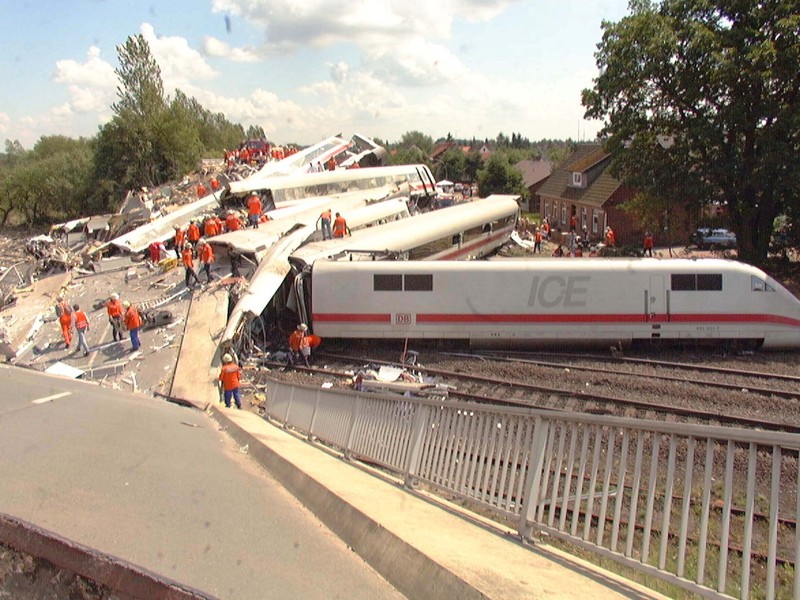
[[306, 69]]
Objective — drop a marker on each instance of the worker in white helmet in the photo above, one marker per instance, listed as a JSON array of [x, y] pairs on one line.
[[114, 309], [229, 377]]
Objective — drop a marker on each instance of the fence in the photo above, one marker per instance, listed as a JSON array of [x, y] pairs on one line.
[[712, 510]]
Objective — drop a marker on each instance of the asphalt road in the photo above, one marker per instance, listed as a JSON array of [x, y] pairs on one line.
[[160, 486]]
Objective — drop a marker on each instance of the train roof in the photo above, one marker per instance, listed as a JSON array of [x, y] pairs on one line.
[[553, 265], [401, 236]]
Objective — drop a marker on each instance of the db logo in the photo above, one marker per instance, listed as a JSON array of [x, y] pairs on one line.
[[402, 319]]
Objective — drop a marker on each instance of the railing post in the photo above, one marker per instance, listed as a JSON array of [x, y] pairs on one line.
[[354, 412], [310, 436], [418, 429], [535, 465], [288, 406]]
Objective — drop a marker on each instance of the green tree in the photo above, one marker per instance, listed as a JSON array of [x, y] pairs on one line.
[[498, 176], [700, 101], [418, 139], [452, 165]]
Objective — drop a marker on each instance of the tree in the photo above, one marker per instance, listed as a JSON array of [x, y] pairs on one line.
[[499, 176], [716, 84], [451, 165], [418, 139]]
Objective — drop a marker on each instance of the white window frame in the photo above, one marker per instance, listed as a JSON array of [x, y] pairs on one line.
[[577, 179]]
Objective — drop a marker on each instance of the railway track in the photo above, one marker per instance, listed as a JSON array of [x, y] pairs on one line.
[[516, 391]]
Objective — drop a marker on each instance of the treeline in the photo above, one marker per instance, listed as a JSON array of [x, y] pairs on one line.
[[153, 139], [150, 140]]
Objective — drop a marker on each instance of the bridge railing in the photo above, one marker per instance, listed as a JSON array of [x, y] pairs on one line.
[[712, 510]]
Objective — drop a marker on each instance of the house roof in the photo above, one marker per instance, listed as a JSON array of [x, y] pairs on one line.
[[441, 148], [600, 188], [534, 171]]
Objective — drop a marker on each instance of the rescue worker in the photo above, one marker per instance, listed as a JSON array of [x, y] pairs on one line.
[[65, 320], [229, 377], [232, 222], [537, 241], [202, 192], [180, 240], [81, 326], [215, 185], [611, 238], [210, 227], [648, 244], [206, 257], [61, 305], [340, 227], [193, 232], [133, 321], [300, 345], [254, 209], [324, 223], [114, 310], [188, 263]]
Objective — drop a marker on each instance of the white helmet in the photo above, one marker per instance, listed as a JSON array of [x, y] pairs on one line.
[[200, 242], [302, 327], [226, 358], [115, 296]]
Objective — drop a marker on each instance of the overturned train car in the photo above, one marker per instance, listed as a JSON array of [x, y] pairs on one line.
[[555, 302]]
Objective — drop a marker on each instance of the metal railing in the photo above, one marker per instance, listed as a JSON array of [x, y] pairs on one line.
[[712, 510]]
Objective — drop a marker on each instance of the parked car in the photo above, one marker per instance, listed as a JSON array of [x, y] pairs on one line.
[[713, 238]]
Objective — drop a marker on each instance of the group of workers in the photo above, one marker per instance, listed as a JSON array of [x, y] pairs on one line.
[[340, 228], [122, 316]]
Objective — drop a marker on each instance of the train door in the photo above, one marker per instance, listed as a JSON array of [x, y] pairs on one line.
[[656, 300]]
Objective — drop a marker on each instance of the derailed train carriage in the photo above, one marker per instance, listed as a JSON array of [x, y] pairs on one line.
[[555, 302]]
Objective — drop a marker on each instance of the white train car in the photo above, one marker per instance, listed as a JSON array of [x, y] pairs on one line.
[[465, 231], [550, 302]]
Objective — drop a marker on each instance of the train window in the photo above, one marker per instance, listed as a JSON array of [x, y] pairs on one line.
[[759, 285], [682, 283], [709, 282], [419, 283], [705, 282], [387, 283]]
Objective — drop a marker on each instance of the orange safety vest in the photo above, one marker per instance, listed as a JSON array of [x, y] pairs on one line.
[[180, 237], [232, 223], [210, 228], [114, 308], [229, 376], [132, 318], [339, 227], [188, 259], [81, 321], [254, 205], [193, 233], [326, 214], [207, 254]]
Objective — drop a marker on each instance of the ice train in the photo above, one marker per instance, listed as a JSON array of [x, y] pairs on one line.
[[552, 302]]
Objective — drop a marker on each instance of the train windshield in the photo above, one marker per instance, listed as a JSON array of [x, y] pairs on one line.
[[759, 285]]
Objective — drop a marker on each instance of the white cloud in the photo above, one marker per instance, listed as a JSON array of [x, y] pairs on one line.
[[91, 85], [4, 122], [180, 64], [217, 48]]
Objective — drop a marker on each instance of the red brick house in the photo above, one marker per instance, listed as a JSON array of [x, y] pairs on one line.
[[582, 190]]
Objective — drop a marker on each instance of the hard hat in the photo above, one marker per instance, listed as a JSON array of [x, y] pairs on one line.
[[226, 358], [177, 226], [115, 296], [200, 242], [126, 304], [188, 244], [302, 327]]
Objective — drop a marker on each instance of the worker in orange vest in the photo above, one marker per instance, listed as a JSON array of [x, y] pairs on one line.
[[215, 185], [202, 192], [193, 232], [188, 264], [65, 320], [206, 257], [114, 310], [254, 209], [232, 222], [229, 378], [340, 228], [133, 321], [300, 345], [180, 240], [537, 241], [210, 227], [648, 244], [81, 326], [611, 238]]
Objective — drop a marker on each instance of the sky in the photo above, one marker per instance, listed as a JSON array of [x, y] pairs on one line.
[[307, 69]]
